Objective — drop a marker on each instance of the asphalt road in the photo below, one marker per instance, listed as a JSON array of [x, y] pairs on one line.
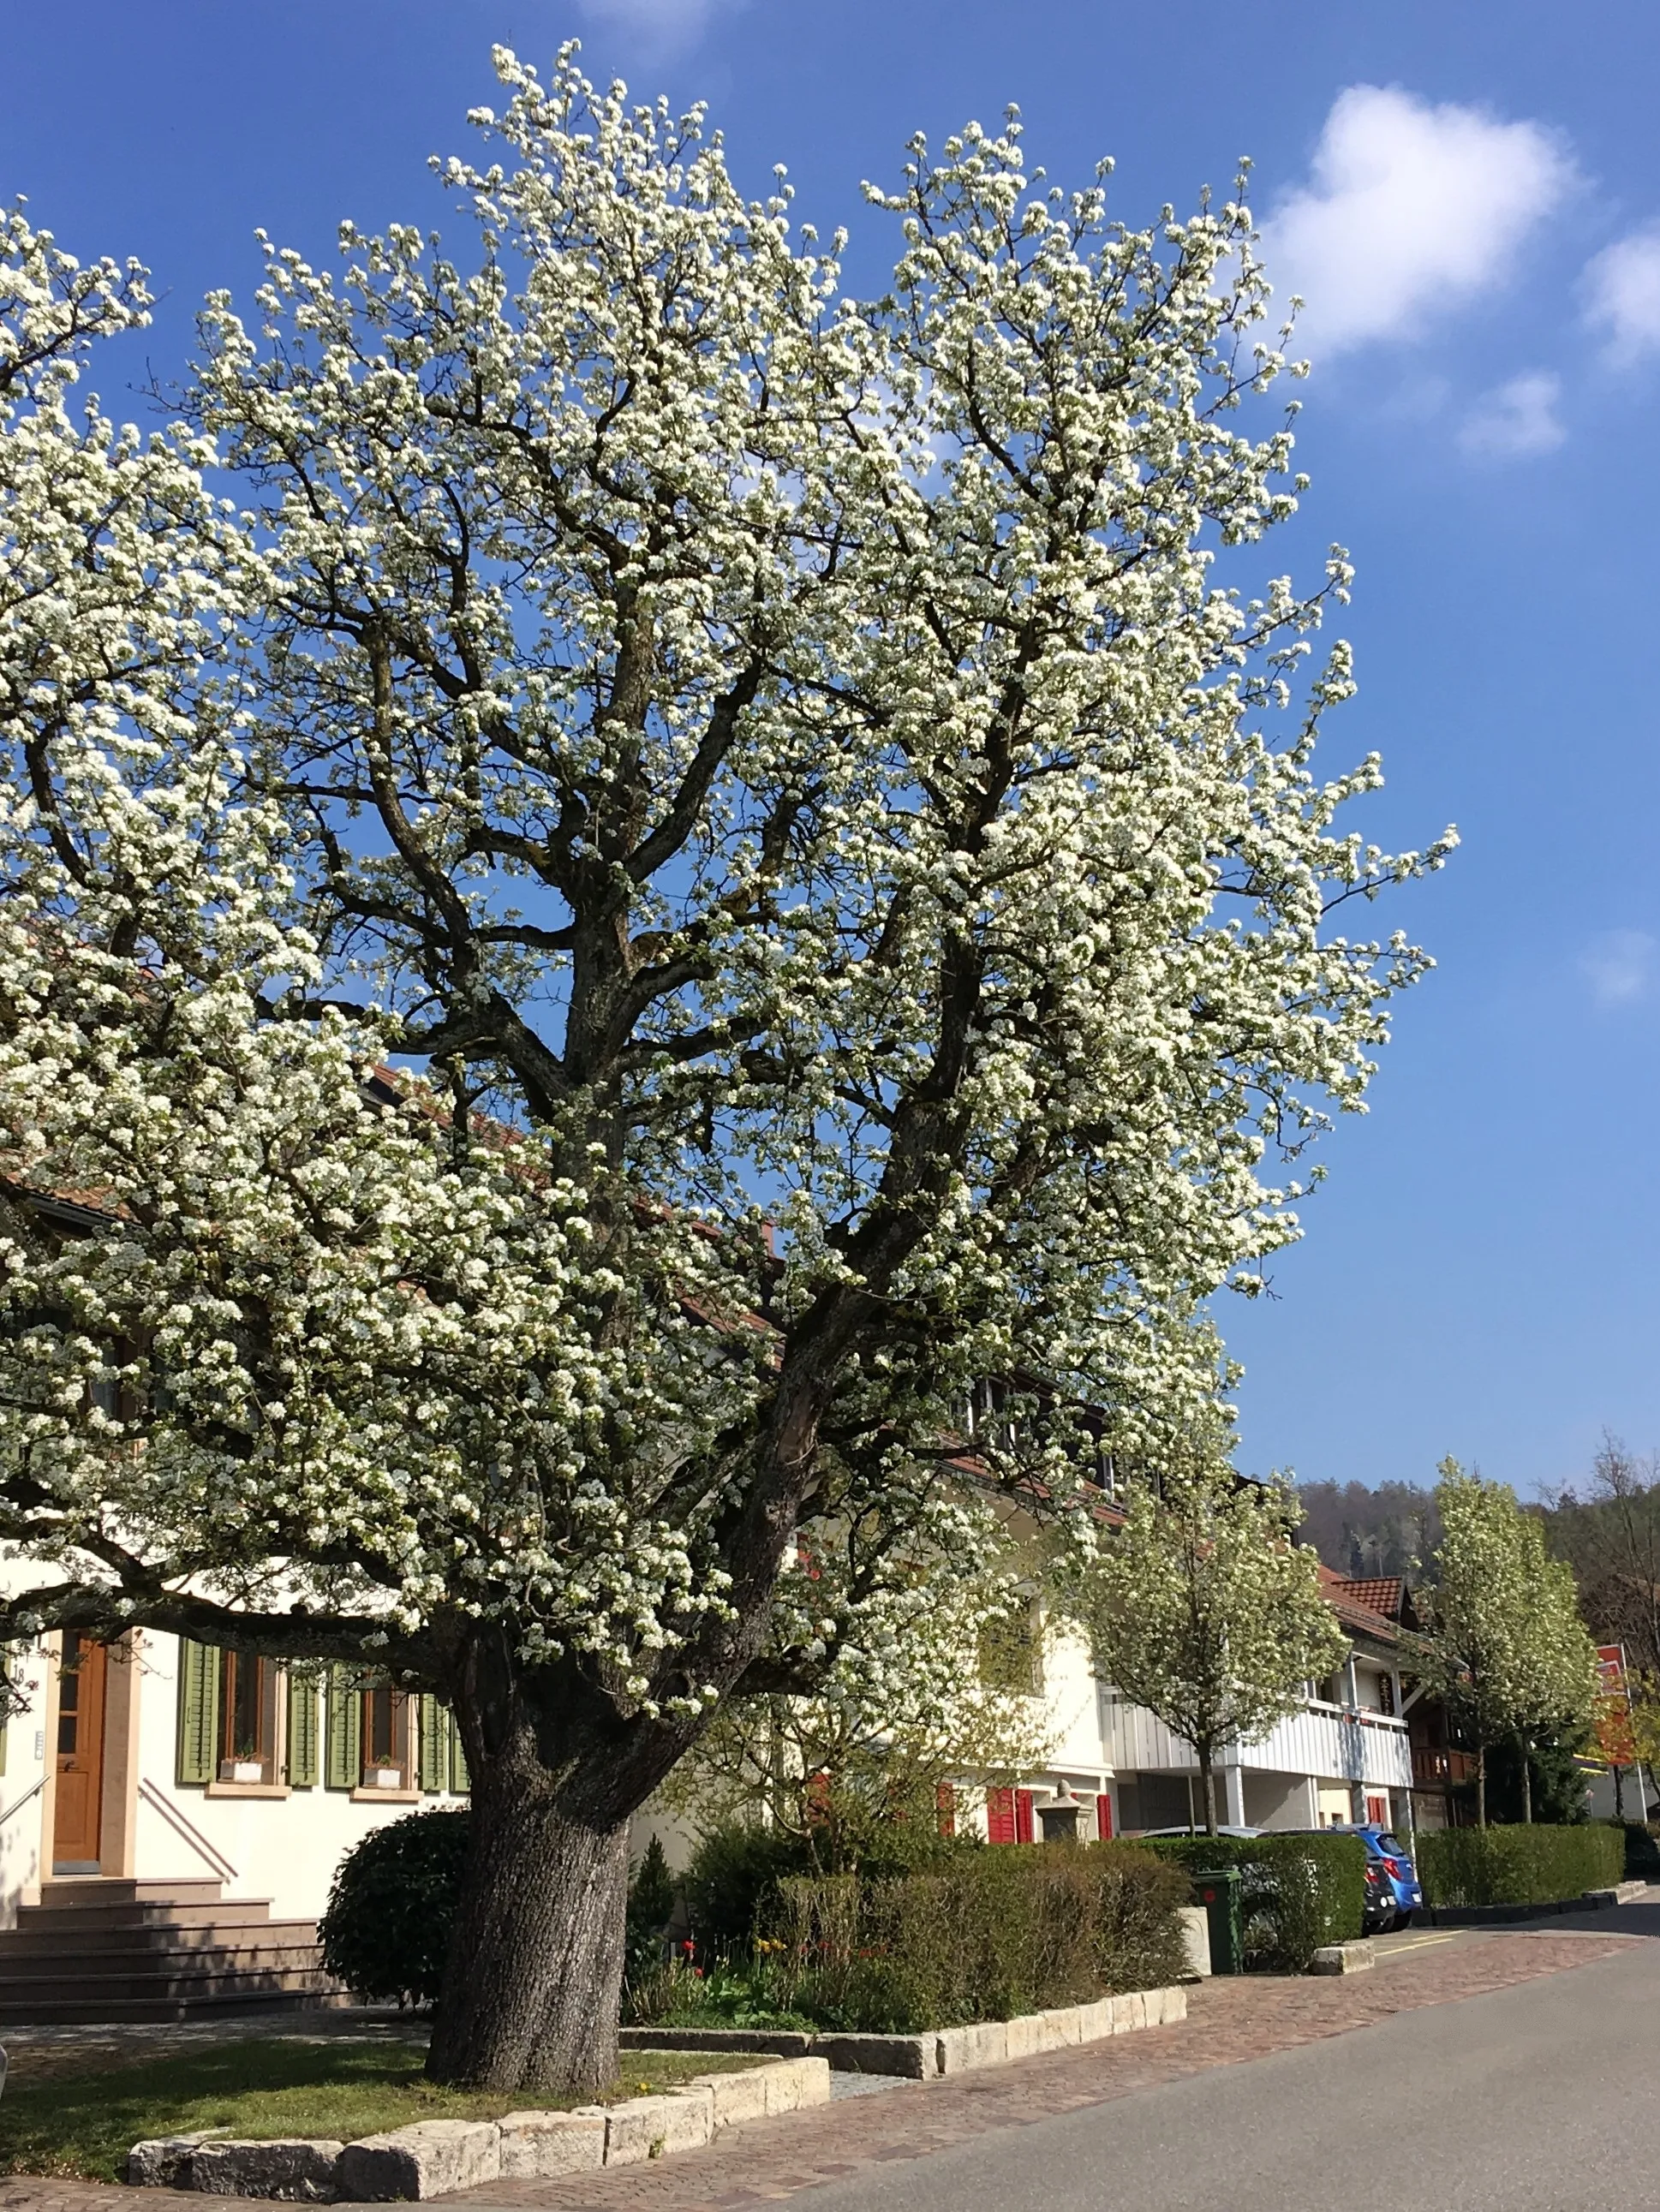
[[1542, 2097]]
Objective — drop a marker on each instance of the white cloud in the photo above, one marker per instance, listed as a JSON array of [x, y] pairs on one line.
[[657, 27], [1411, 209], [1517, 419], [1622, 295], [1620, 966]]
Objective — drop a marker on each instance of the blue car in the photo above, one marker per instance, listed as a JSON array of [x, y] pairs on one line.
[[1389, 1854]]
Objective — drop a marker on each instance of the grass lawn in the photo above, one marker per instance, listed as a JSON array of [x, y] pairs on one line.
[[85, 2123]]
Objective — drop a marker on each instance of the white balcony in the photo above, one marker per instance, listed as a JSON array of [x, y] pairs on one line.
[[1333, 1743]]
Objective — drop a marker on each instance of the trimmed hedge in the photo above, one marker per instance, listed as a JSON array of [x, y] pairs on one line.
[[980, 1934], [1527, 1864], [392, 1907], [1296, 1891]]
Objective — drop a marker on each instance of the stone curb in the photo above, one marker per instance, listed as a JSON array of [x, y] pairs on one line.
[[1487, 1916], [957, 2050], [434, 2157], [1344, 1958]]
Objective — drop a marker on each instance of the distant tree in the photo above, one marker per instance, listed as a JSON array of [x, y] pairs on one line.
[[1611, 1536], [1512, 1655], [1359, 1530], [1204, 1608]]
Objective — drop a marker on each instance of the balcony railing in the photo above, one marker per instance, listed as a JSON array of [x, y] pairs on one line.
[[1333, 1743]]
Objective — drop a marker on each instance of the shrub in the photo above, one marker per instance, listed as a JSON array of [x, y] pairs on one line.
[[1296, 1891], [651, 1906], [732, 1875], [1524, 1865], [390, 1908], [976, 1934]]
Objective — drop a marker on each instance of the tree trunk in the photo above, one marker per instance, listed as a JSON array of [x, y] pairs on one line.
[[1618, 1793], [1207, 1771], [1526, 1785], [1481, 1784], [535, 1973]]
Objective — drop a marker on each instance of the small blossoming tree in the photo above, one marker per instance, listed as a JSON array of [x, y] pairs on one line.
[[1204, 1609], [907, 1726], [699, 866], [1510, 1653]]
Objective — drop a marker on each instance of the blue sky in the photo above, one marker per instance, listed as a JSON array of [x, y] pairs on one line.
[[1467, 195]]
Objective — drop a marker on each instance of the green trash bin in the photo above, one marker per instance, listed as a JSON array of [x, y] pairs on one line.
[[1218, 1890]]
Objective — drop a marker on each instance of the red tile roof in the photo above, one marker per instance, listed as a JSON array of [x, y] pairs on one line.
[[1378, 1593]]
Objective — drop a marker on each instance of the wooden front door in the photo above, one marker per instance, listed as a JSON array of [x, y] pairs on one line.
[[80, 1799]]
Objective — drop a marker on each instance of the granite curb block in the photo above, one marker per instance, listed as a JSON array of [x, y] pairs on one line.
[[435, 2157], [924, 2057], [1344, 1958]]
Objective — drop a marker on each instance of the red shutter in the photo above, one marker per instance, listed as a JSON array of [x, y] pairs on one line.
[[1023, 1820], [1104, 1818], [1377, 1811], [945, 1810], [1000, 1816]]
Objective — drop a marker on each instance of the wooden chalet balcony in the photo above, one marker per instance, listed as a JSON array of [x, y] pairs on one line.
[[1432, 1767]]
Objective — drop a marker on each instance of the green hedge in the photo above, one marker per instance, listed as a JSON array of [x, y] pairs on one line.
[[978, 1934], [1296, 1891], [1522, 1865]]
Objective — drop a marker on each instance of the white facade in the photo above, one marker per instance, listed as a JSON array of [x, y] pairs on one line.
[[162, 1807], [251, 1825]]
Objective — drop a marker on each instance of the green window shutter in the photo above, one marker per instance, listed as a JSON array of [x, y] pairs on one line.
[[345, 1751], [302, 1731], [198, 1711], [460, 1782], [431, 1720]]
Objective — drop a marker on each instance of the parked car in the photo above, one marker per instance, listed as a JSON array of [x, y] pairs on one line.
[[1385, 1850], [1377, 1911], [1142, 1832]]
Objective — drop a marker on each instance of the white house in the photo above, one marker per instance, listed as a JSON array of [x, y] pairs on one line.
[[171, 1815]]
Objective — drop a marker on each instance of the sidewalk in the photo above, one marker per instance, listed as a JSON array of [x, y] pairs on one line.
[[1230, 2023]]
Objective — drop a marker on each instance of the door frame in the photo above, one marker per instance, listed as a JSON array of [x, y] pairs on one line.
[[117, 1818]]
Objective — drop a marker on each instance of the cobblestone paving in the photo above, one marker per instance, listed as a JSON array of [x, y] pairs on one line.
[[1229, 2023]]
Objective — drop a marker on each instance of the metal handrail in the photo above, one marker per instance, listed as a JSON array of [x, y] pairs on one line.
[[34, 1790], [214, 1857]]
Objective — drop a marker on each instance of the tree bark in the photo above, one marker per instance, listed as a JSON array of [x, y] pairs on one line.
[[1527, 1785], [535, 1973], [1207, 1771], [1481, 1785]]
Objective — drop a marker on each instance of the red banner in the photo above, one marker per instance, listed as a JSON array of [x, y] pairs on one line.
[[1615, 1745]]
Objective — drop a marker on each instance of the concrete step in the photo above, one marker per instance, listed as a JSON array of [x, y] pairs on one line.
[[128, 1889], [63, 2010], [80, 1970], [21, 1994], [150, 1937], [74, 1922]]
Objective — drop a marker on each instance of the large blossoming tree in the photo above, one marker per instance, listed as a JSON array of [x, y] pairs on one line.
[[696, 868]]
